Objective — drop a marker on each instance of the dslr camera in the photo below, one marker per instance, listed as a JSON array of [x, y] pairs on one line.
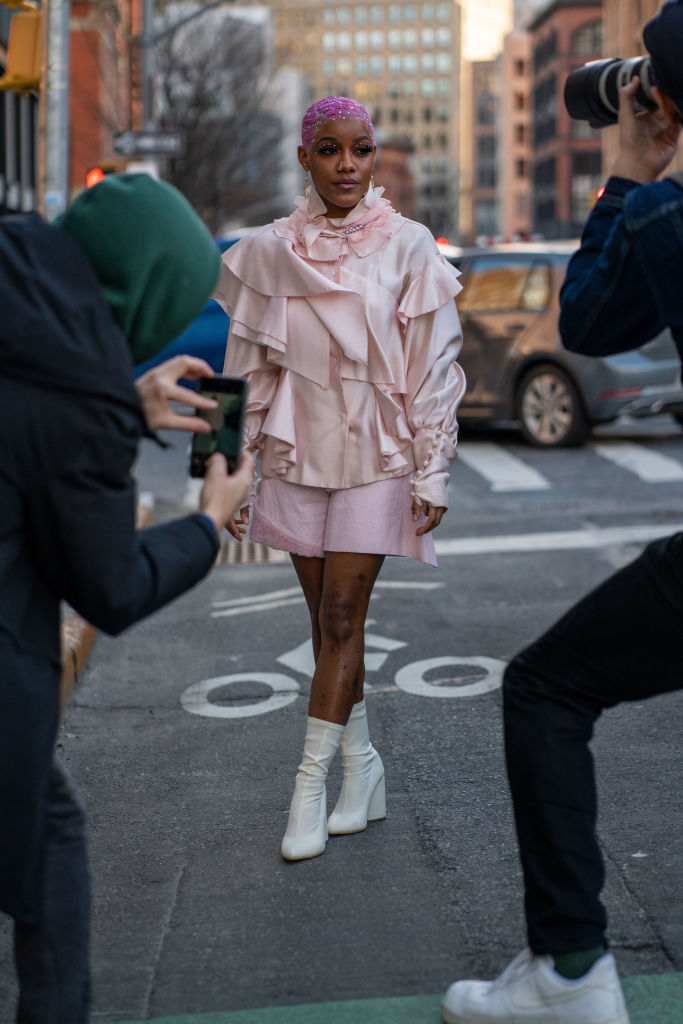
[[591, 93]]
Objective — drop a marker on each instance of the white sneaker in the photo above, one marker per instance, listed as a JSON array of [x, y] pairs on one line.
[[530, 989]]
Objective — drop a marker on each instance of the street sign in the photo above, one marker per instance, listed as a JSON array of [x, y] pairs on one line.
[[153, 143]]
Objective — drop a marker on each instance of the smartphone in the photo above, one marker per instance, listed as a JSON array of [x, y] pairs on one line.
[[226, 421]]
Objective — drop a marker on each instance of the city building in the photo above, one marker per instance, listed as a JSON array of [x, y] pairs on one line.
[[394, 172], [485, 121], [515, 137], [400, 58], [567, 154], [623, 22]]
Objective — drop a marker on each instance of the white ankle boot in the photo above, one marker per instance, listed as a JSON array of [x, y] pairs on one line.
[[362, 798], [306, 833]]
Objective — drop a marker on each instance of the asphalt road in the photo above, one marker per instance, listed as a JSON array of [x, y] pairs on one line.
[[185, 733]]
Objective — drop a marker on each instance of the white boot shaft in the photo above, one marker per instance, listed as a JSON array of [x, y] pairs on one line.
[[306, 833], [362, 796]]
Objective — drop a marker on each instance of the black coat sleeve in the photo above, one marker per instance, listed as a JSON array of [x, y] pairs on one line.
[[81, 516]]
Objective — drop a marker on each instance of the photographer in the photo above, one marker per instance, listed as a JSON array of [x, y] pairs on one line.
[[624, 641], [126, 269]]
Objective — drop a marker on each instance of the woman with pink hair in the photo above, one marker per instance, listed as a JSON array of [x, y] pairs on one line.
[[343, 321]]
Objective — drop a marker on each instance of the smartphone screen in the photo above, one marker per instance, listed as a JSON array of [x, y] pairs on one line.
[[226, 422]]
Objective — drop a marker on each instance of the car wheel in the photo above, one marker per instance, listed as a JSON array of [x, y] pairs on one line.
[[549, 408]]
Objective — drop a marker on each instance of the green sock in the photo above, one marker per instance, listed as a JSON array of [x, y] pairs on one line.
[[575, 965]]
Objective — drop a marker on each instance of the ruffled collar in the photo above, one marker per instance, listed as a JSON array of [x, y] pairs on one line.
[[364, 229]]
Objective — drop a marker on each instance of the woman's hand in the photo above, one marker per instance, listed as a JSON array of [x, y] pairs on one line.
[[237, 527], [434, 514]]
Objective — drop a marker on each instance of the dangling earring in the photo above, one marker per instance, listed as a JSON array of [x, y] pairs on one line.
[[372, 179], [306, 184]]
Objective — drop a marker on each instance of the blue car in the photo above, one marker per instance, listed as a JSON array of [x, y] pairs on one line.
[[205, 337]]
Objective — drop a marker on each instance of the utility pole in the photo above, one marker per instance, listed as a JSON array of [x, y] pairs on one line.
[[54, 128]]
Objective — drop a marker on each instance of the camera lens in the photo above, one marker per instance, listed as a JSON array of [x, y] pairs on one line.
[[588, 95], [591, 93]]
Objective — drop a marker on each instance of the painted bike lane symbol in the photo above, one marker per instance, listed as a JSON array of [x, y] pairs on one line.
[[412, 678]]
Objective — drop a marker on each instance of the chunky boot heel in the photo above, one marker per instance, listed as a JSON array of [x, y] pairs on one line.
[[306, 833], [377, 808], [363, 795]]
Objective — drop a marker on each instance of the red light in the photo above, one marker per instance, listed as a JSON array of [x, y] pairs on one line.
[[442, 241], [93, 176], [601, 192]]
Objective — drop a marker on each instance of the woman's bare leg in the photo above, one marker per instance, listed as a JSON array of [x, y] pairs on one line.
[[347, 583]]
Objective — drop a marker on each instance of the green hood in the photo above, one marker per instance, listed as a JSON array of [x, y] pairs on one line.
[[156, 262]]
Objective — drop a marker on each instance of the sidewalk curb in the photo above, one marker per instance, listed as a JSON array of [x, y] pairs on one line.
[[77, 634]]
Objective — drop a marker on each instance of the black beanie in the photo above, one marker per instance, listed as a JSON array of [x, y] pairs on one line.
[[663, 38]]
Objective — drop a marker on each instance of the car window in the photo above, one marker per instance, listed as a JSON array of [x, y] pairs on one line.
[[503, 283]]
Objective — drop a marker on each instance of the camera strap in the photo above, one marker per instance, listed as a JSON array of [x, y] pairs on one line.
[[677, 178]]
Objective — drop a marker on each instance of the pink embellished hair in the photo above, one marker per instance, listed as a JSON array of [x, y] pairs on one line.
[[332, 108]]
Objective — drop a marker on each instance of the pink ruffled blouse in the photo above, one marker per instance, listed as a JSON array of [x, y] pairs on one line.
[[348, 333]]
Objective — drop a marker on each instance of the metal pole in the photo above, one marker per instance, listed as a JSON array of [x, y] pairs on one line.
[[147, 65], [56, 195]]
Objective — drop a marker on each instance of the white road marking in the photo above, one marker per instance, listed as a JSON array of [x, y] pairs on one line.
[[195, 698], [650, 466], [300, 659], [554, 541], [264, 606], [505, 472], [411, 677], [272, 595]]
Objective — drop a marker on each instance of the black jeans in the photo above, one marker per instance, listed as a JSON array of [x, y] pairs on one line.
[[52, 957], [624, 641]]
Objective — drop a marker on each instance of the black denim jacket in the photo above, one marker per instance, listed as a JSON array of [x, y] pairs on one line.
[[625, 284]]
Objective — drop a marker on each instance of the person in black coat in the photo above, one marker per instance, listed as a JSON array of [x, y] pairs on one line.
[[83, 299]]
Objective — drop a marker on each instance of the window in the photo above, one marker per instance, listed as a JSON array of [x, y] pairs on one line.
[[521, 168], [521, 134], [408, 86], [394, 64], [409, 13], [442, 113], [443, 87], [329, 17], [343, 16], [376, 67], [361, 66], [409, 36], [361, 15], [361, 39], [428, 12], [520, 68], [443, 37], [443, 63], [394, 91], [344, 66], [377, 39], [343, 40], [394, 38], [377, 14], [427, 62], [427, 114], [427, 87], [410, 64], [499, 284], [394, 12], [328, 41], [587, 40], [427, 38], [328, 67]]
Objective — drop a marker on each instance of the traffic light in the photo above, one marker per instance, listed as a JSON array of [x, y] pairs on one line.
[[24, 52], [112, 165]]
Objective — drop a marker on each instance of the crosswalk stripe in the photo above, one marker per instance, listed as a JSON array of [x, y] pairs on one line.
[[650, 466], [505, 472]]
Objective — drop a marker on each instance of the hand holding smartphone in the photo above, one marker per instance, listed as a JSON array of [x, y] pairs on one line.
[[226, 422]]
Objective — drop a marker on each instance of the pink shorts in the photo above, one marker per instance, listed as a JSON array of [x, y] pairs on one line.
[[374, 519]]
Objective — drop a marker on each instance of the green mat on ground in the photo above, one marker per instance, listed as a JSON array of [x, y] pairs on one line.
[[651, 998]]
